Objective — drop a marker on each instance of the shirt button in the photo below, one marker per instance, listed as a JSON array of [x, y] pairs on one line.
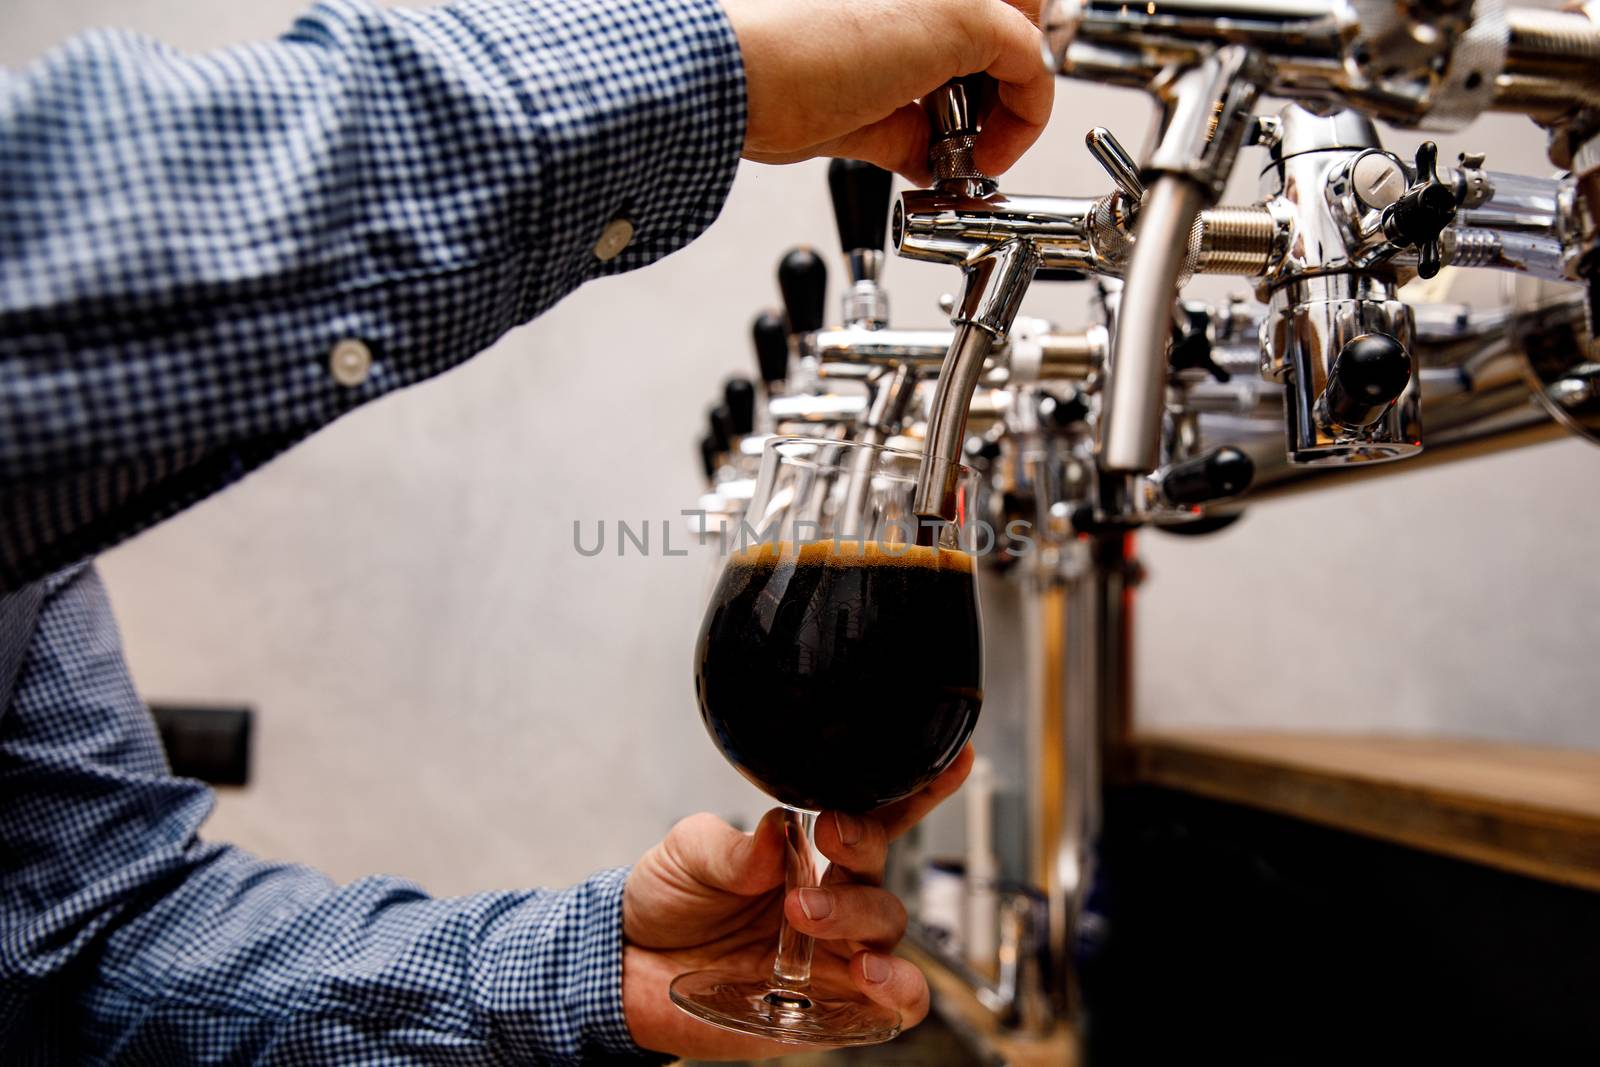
[[613, 239], [350, 361]]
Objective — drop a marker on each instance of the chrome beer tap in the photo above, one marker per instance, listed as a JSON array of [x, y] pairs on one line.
[[999, 243], [1429, 64], [1205, 111]]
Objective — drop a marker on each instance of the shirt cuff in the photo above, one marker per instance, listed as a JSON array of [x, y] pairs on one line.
[[557, 980], [640, 109], [599, 1012]]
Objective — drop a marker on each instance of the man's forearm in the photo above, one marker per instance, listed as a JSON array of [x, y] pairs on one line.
[[204, 259], [128, 938]]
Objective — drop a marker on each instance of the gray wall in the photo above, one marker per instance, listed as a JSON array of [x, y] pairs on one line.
[[448, 690]]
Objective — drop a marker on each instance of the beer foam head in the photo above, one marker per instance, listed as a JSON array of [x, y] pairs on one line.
[[851, 552]]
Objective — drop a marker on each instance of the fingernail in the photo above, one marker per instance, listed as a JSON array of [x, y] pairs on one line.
[[875, 968], [816, 903], [849, 827]]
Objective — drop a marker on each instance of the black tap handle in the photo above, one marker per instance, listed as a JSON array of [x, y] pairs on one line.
[[860, 203], [1191, 346], [708, 456], [739, 397], [1064, 410], [803, 280], [1220, 473], [1418, 218], [1369, 373], [772, 346], [721, 421]]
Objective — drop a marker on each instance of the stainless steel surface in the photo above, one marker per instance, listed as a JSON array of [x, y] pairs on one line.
[[1122, 167], [1560, 360], [1327, 267], [991, 295], [1412, 65], [1308, 326], [1206, 112], [947, 424], [1136, 381], [1527, 225]]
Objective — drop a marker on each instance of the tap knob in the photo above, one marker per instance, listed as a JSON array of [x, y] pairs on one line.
[[1369, 373], [739, 397], [860, 204], [1110, 154], [708, 457], [772, 347], [1220, 473], [1191, 343], [861, 208], [803, 280], [1068, 409], [1418, 218], [956, 111], [721, 422]]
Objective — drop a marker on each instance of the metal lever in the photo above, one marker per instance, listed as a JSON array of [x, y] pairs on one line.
[[803, 281], [771, 337], [1208, 111], [1116, 161], [956, 111], [1418, 218], [861, 208]]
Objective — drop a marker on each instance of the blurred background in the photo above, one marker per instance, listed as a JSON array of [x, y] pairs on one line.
[[446, 689]]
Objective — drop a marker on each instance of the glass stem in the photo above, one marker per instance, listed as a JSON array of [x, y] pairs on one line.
[[792, 969]]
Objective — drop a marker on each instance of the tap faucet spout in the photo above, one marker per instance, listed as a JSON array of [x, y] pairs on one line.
[[992, 291]]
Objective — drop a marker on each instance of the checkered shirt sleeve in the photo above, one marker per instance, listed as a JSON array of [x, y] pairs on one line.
[[184, 239], [124, 938]]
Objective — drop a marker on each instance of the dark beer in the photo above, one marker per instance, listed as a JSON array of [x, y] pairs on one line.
[[840, 675]]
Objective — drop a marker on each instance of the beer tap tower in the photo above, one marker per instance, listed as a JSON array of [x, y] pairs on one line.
[[1170, 413]]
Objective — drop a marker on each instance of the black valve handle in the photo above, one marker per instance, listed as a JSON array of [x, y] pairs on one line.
[[860, 204], [771, 338], [1061, 411], [803, 280], [1191, 346], [739, 397], [720, 420], [708, 456], [1369, 373], [1220, 473], [1421, 214]]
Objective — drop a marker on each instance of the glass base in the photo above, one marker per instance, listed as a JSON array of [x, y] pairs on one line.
[[817, 1015]]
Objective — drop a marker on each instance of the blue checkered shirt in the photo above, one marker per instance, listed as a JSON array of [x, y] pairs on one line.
[[184, 242]]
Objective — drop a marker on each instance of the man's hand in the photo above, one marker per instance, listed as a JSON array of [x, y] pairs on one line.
[[839, 77], [708, 896]]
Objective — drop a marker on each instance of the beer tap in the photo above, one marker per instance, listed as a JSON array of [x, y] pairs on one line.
[[1429, 64], [1206, 110], [739, 397], [861, 209], [803, 282], [993, 283], [771, 338], [860, 194]]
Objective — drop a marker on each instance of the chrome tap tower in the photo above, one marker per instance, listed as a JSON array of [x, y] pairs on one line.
[[1159, 410]]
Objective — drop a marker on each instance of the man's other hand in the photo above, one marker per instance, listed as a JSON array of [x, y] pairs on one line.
[[709, 896]]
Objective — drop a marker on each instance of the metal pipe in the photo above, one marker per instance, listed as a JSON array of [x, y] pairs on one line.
[[856, 353], [1136, 385], [1518, 228], [992, 293], [947, 422]]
